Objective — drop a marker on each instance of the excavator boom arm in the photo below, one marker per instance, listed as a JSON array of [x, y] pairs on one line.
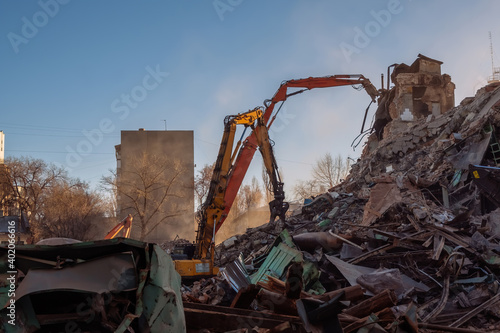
[[214, 205], [125, 225], [277, 207], [247, 151], [317, 82]]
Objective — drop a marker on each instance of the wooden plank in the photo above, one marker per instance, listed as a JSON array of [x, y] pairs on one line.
[[345, 240], [277, 303], [366, 255], [245, 297], [351, 293], [385, 299], [240, 312], [476, 311], [414, 223], [222, 322], [384, 316], [438, 246]]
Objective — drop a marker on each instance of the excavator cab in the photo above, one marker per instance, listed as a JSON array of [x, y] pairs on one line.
[[183, 252]]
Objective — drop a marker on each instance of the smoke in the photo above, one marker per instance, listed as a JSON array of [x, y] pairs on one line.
[[239, 225]]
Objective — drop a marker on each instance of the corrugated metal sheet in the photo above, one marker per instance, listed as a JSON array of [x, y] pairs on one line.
[[276, 262], [118, 268], [162, 300], [352, 272], [236, 275]]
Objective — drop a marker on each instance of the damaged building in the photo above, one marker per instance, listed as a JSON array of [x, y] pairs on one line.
[[419, 90], [408, 242]]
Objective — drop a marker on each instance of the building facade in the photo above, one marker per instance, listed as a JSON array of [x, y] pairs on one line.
[[421, 90], [149, 151]]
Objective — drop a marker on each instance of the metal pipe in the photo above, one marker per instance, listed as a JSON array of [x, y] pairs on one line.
[[389, 76]]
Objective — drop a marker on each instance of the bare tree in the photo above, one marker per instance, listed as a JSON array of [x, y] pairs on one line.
[[342, 167], [323, 171], [55, 204], [329, 171], [69, 209], [202, 182], [146, 187], [28, 180], [250, 196], [305, 189]]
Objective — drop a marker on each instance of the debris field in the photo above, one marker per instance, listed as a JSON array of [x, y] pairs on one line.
[[408, 242]]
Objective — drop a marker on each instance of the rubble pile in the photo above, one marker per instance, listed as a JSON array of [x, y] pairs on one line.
[[112, 285], [178, 248], [215, 291], [171, 245], [407, 243]]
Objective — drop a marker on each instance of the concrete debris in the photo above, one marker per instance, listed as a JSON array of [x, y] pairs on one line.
[[408, 242], [215, 291], [170, 246], [409, 228]]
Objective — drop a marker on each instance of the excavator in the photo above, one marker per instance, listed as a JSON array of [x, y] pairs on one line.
[[125, 226], [199, 260], [232, 165]]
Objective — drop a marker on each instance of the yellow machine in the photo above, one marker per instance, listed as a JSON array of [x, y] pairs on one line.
[[197, 260], [199, 257]]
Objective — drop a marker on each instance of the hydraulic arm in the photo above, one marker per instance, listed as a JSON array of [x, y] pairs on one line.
[[232, 164], [278, 207], [246, 153], [125, 226], [214, 205]]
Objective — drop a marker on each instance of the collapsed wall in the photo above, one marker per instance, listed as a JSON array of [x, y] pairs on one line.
[[433, 153]]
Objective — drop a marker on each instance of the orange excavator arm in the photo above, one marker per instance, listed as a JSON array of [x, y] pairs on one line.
[[125, 225], [232, 164], [247, 151], [214, 204]]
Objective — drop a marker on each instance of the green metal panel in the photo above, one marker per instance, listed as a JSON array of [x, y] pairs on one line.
[[163, 307], [281, 254], [276, 263]]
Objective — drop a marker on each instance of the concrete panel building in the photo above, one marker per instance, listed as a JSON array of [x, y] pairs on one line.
[[175, 215]]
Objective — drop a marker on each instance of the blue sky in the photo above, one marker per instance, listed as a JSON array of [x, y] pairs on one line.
[[67, 67]]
